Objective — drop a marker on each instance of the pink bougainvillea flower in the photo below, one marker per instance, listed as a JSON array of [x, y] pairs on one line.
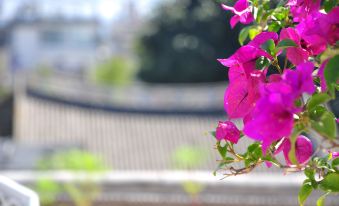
[[315, 41], [241, 95], [271, 119], [335, 155], [242, 12], [300, 9], [243, 90], [227, 131], [319, 30], [251, 51], [331, 24], [243, 55], [301, 79], [303, 149], [322, 77], [296, 54]]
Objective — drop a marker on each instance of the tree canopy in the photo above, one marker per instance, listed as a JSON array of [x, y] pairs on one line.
[[183, 40]]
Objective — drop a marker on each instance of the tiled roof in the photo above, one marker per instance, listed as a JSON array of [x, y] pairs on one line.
[[126, 139]]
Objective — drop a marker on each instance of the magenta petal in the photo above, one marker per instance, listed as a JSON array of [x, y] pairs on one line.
[[303, 150], [229, 8], [271, 120], [249, 53], [246, 18], [227, 131], [242, 12], [300, 9], [305, 71], [237, 103], [241, 5], [243, 55], [296, 55], [300, 80], [236, 74], [322, 77], [268, 164], [262, 38], [290, 33], [335, 155], [234, 20], [333, 16], [228, 62]]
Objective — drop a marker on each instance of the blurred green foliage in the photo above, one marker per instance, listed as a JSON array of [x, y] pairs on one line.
[[116, 71], [184, 40], [188, 157], [44, 71], [83, 192]]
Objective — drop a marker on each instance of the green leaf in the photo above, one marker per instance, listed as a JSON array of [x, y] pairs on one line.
[[330, 182], [222, 150], [271, 160], [331, 73], [317, 99], [317, 112], [286, 43], [304, 192], [266, 5], [243, 35], [325, 125], [253, 154], [251, 148], [329, 4], [261, 63], [335, 163], [274, 26], [213, 133], [269, 46], [253, 31], [280, 13], [309, 173], [266, 15], [321, 200], [259, 14]]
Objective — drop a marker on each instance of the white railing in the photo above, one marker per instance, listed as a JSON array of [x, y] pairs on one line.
[[14, 194]]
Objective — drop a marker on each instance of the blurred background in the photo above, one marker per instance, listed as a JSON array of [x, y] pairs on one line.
[[109, 102]]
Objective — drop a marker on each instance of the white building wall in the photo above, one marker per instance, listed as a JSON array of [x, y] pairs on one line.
[[73, 47]]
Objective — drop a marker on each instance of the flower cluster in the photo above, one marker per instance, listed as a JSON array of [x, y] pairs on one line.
[[279, 83]]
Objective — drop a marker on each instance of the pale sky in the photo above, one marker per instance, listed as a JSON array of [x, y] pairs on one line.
[[108, 9]]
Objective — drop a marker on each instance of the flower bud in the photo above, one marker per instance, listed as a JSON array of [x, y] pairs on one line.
[[303, 149], [227, 131]]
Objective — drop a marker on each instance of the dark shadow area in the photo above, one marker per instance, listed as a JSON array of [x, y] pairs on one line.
[[6, 117]]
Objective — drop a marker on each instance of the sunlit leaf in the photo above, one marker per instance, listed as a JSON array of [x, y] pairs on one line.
[[317, 99], [285, 43], [330, 182], [305, 191]]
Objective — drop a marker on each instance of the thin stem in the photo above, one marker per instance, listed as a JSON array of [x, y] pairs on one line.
[[276, 65], [285, 63]]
